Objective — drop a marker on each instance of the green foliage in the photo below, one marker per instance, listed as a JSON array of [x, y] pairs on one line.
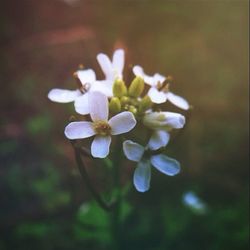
[[48, 189], [38, 124]]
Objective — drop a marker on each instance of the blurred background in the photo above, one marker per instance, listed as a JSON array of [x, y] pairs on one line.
[[203, 45]]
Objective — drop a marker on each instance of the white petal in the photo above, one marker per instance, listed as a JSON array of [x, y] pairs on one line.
[[100, 146], [118, 61], [175, 120], [106, 65], [98, 106], [79, 130], [86, 76], [159, 138], [63, 95], [133, 151], [150, 80], [104, 87], [178, 101], [157, 96], [82, 104], [142, 176], [154, 80], [159, 78], [138, 71], [122, 123], [165, 164], [163, 120]]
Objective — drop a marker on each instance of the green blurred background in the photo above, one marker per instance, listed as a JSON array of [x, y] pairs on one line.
[[203, 45]]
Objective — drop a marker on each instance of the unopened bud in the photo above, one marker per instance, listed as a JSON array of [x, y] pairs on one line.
[[136, 87], [132, 109], [119, 88], [115, 105], [124, 100], [145, 103]]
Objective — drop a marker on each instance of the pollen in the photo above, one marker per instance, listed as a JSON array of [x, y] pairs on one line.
[[102, 127]]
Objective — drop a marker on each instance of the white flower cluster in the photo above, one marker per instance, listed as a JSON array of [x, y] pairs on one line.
[[116, 108]]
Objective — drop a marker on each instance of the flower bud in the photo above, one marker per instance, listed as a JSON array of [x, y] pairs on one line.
[[136, 87], [145, 103], [132, 109], [124, 100], [115, 105], [164, 120], [119, 88]]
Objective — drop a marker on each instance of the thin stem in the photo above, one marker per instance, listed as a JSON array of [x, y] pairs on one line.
[[103, 204], [116, 229]]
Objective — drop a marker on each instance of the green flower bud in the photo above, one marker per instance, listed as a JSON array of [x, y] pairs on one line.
[[124, 100], [145, 104], [136, 87], [132, 109], [115, 105], [119, 88]]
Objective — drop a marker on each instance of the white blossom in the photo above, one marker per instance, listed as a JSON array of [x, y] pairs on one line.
[[80, 96], [112, 69], [157, 94], [142, 175], [100, 126]]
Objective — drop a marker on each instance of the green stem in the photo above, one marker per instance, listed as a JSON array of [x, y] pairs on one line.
[[103, 204], [116, 229]]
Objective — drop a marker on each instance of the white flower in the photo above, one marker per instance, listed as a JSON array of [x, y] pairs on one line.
[[101, 127], [142, 175], [158, 95], [80, 96], [161, 123], [112, 69]]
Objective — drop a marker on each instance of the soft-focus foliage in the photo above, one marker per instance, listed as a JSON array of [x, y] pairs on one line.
[[203, 45]]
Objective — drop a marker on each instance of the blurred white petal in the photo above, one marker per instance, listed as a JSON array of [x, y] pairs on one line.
[[150, 80], [98, 106], [159, 78], [122, 123], [191, 200], [86, 76], [82, 104], [175, 120], [106, 65], [63, 95], [100, 146], [142, 176], [159, 138], [165, 164], [79, 130], [118, 61], [133, 151], [104, 87], [157, 96], [138, 71], [163, 120], [177, 101]]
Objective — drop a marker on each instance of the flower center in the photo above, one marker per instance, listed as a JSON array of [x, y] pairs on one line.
[[163, 87], [84, 88], [102, 127]]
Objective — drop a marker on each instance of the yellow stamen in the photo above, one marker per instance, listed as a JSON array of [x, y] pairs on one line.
[[102, 127]]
